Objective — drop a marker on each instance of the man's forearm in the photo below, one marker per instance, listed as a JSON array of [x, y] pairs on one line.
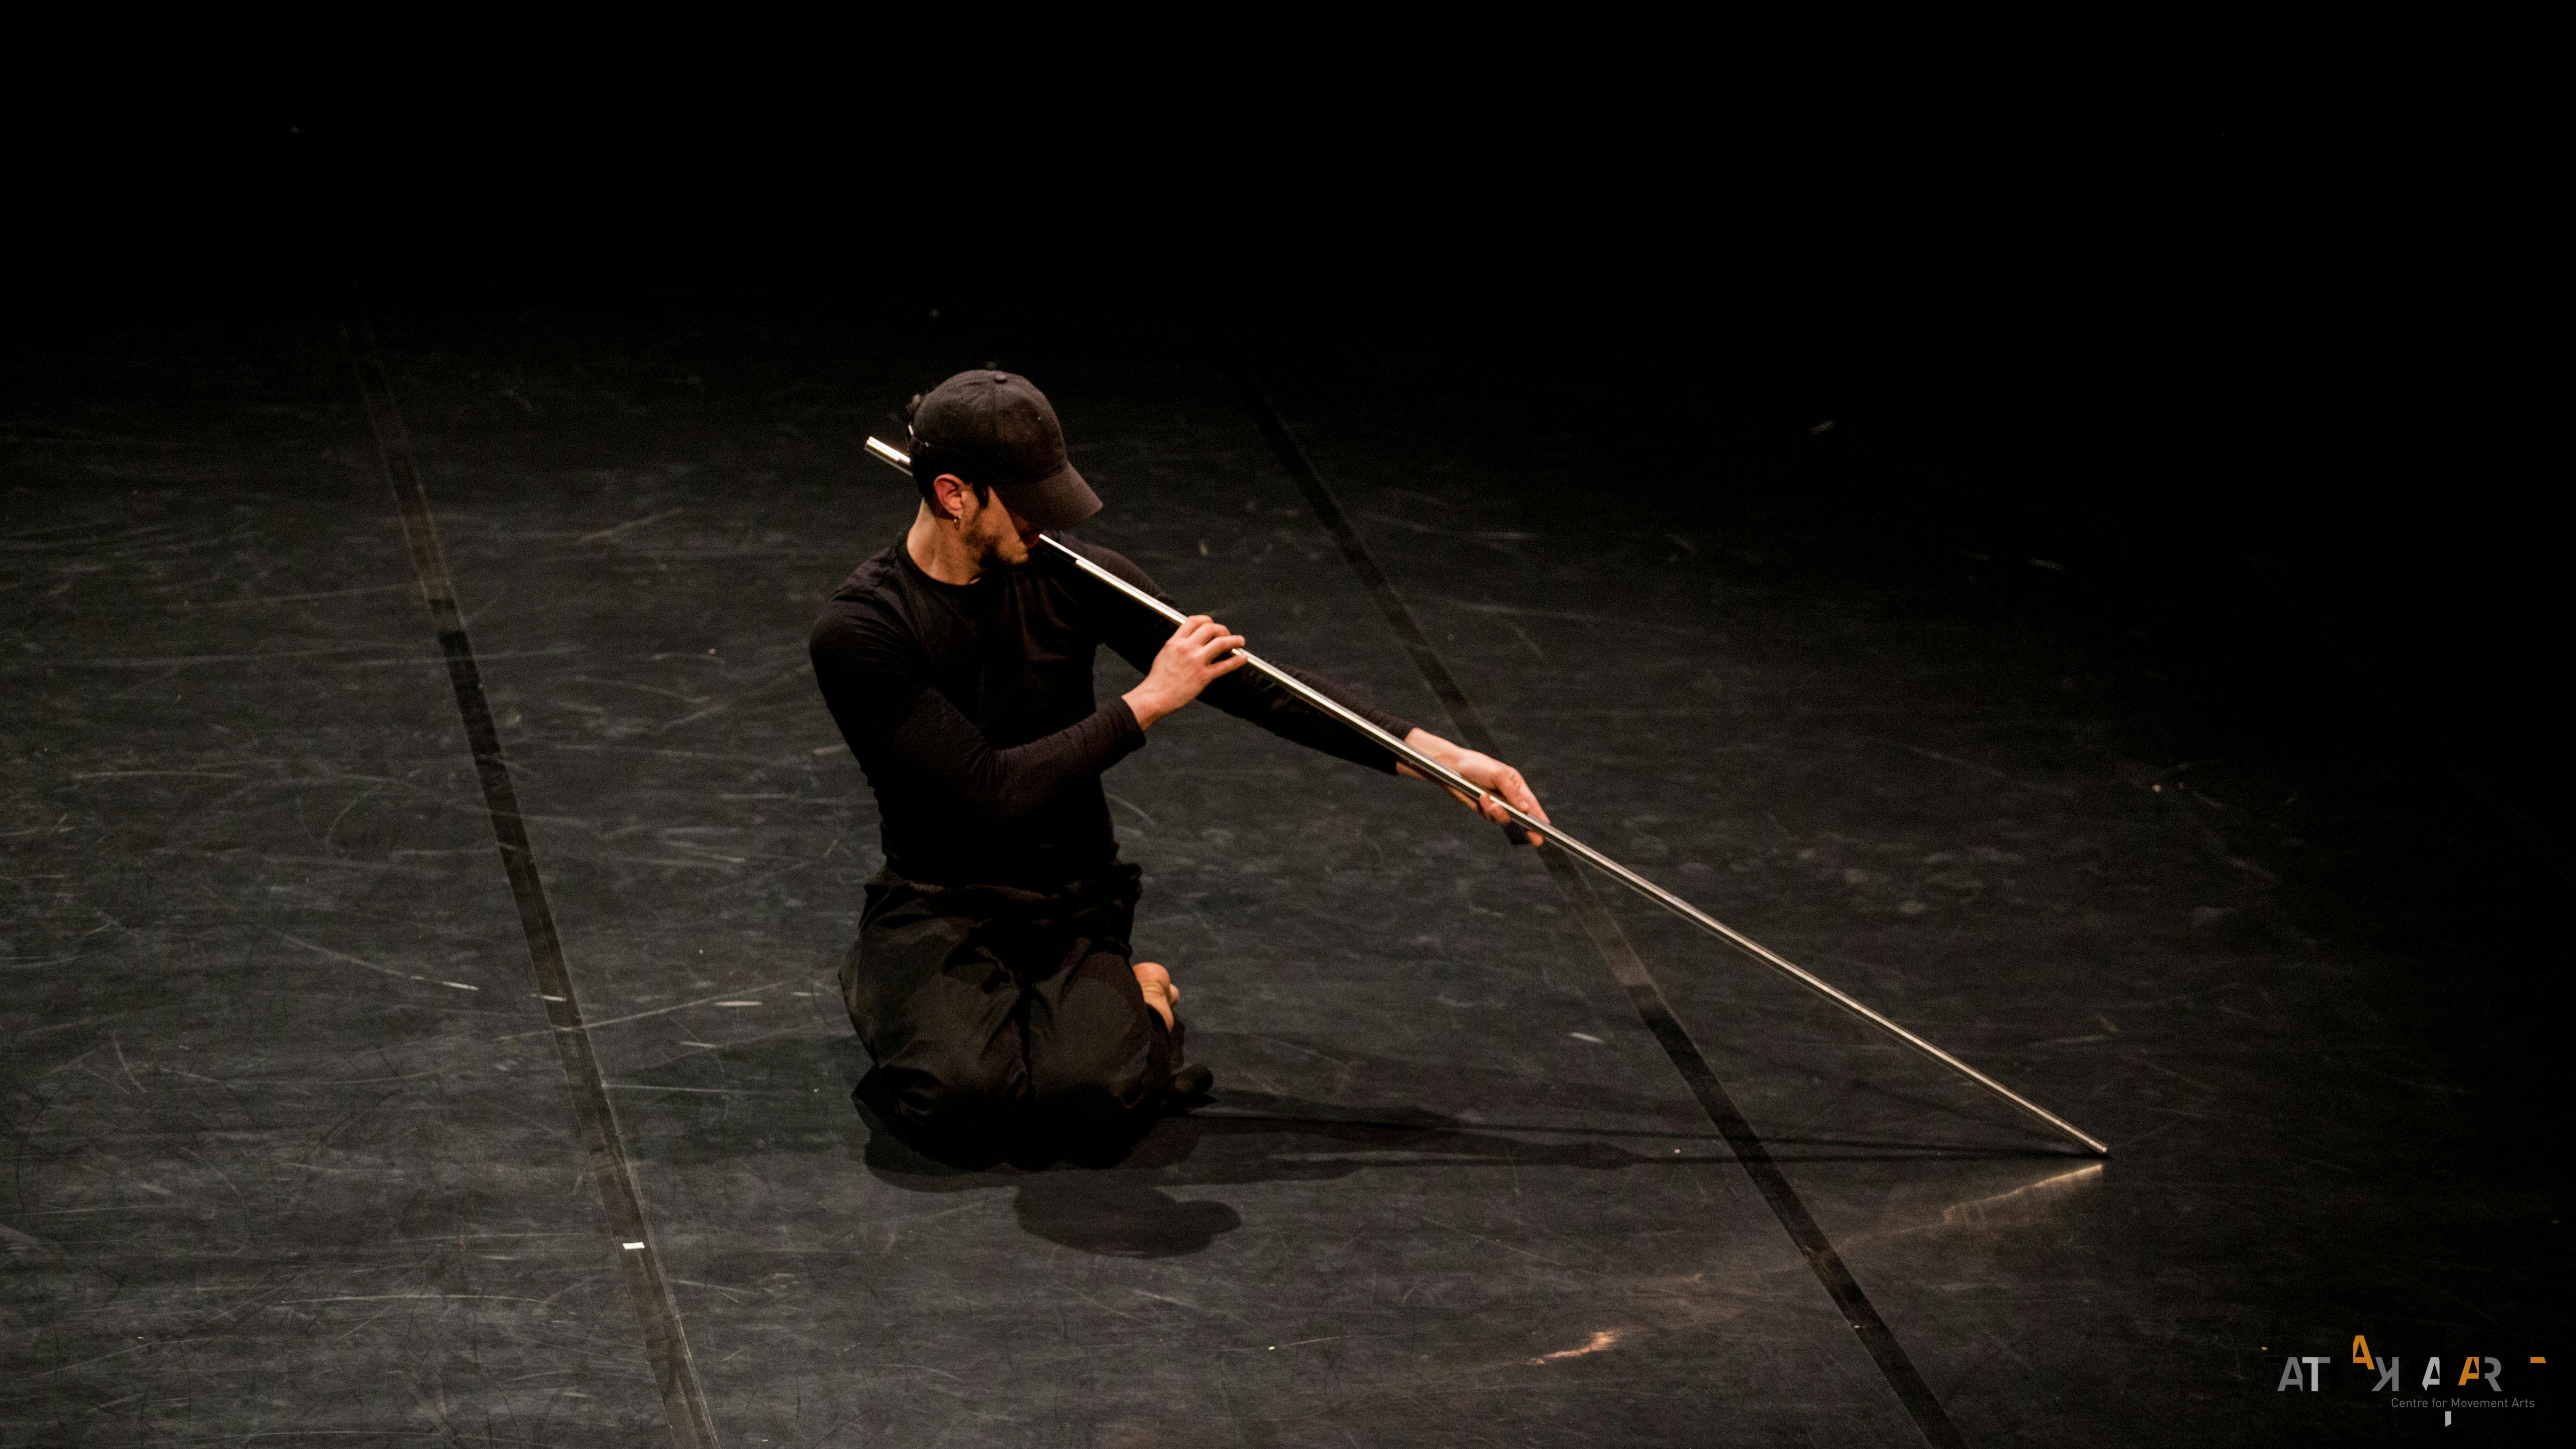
[[1270, 704], [1148, 705], [1434, 746]]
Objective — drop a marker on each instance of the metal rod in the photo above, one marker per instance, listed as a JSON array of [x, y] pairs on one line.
[[1441, 774]]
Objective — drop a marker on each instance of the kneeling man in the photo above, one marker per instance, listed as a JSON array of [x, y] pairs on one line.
[[992, 982]]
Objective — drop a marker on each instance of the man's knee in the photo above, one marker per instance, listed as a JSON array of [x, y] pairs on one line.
[[1096, 1047], [955, 1099], [1080, 1084]]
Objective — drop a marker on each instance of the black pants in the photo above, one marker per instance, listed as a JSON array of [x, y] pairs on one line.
[[1000, 1017]]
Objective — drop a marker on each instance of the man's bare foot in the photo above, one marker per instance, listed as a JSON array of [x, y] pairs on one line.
[[1160, 993]]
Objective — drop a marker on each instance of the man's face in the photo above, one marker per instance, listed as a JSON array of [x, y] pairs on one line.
[[997, 535]]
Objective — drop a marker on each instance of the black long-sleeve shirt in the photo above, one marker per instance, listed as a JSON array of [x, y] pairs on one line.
[[970, 708]]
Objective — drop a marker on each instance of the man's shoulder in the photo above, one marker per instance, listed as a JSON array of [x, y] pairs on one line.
[[880, 584], [868, 606]]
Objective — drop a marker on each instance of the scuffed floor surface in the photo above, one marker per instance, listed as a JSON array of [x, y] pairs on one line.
[[290, 1159]]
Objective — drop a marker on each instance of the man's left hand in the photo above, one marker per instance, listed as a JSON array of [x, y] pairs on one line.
[[1484, 771]]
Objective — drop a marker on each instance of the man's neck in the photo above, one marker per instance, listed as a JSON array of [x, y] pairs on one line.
[[939, 552]]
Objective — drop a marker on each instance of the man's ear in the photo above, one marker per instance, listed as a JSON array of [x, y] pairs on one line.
[[949, 490]]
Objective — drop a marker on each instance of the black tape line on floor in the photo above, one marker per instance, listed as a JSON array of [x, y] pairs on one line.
[[1617, 953], [657, 1313]]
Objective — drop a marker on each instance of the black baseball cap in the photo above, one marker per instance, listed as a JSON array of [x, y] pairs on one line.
[[1001, 431]]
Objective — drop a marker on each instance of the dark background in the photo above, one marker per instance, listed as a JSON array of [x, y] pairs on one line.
[[2245, 383], [2264, 363], [2252, 397]]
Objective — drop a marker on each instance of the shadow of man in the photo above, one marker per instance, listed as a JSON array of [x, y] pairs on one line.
[[1122, 1206]]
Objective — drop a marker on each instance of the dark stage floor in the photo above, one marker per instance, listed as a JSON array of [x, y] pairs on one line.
[[292, 1158]]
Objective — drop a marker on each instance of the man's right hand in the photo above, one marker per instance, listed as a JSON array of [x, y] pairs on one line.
[[1198, 653]]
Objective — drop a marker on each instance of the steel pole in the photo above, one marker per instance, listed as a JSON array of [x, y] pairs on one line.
[[1441, 774]]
